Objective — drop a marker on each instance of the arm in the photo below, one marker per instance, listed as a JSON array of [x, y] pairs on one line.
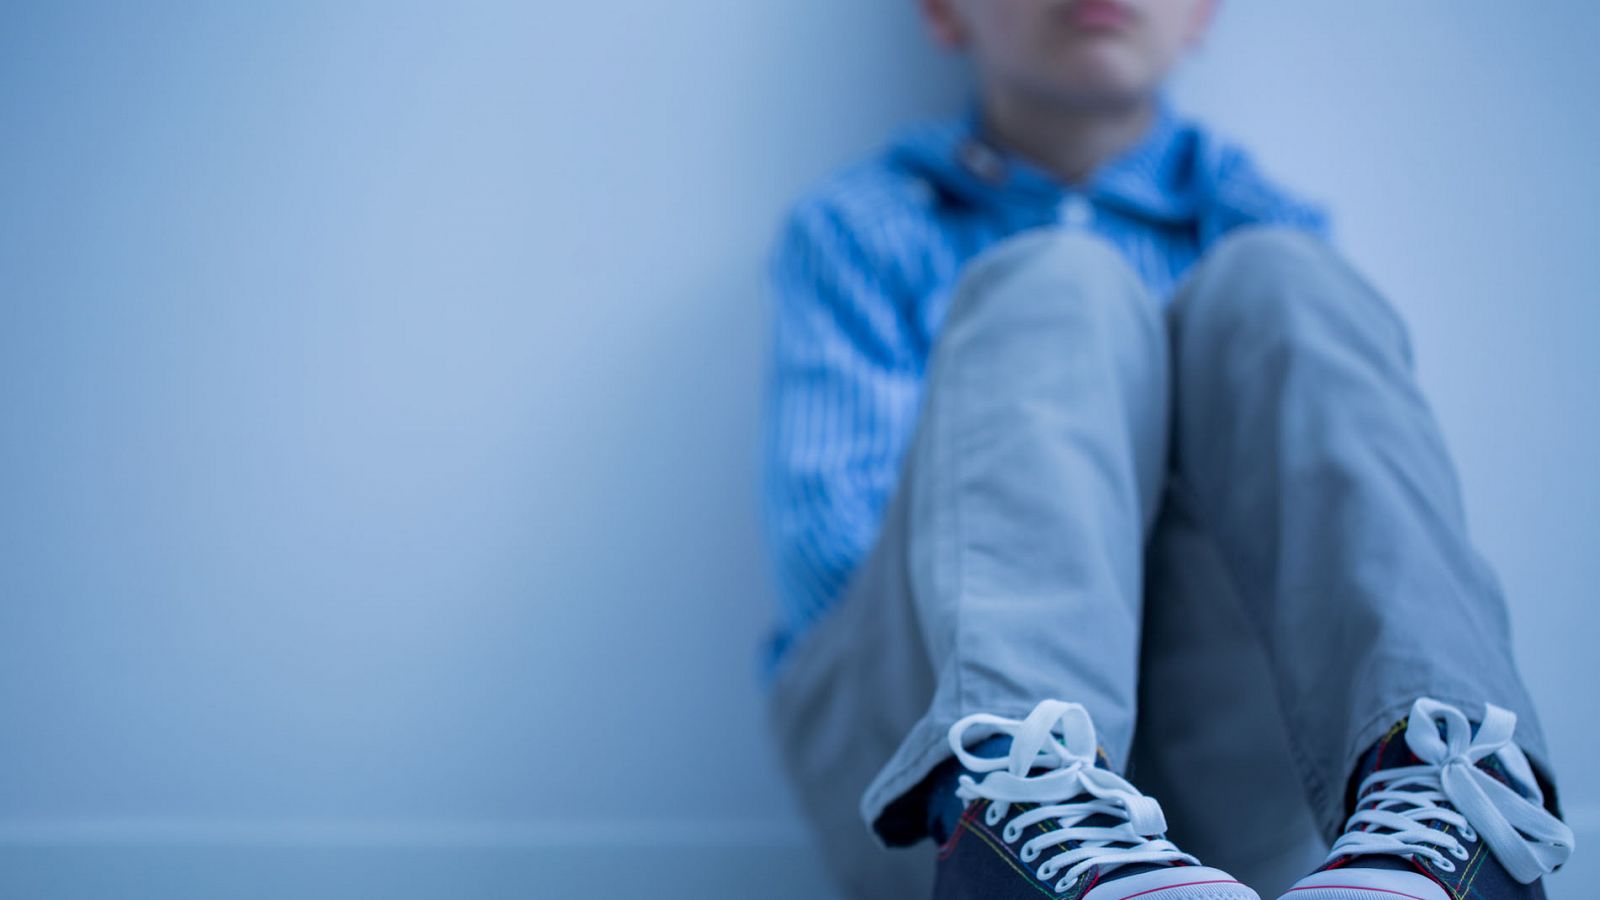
[[842, 391], [1246, 196]]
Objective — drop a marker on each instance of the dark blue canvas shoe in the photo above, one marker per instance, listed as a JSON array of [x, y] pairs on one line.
[[1045, 820], [1448, 813]]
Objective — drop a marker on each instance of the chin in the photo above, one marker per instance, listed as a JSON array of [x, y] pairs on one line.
[[1100, 82]]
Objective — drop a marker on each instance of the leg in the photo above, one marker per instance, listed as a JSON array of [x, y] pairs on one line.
[[842, 698], [1008, 566], [1313, 460], [1034, 476], [1207, 704]]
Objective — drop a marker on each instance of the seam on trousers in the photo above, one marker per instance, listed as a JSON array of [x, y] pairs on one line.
[[943, 390], [951, 462]]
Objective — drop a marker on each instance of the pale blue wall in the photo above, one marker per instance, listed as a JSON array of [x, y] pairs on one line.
[[379, 386], [1457, 144]]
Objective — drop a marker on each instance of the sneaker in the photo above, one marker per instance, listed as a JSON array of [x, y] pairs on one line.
[[1450, 813], [1050, 818]]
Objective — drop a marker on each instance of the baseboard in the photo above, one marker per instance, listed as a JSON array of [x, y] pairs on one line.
[[219, 860], [693, 860]]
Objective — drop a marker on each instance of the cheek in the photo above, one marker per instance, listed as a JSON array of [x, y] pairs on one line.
[[1170, 34], [1017, 30]]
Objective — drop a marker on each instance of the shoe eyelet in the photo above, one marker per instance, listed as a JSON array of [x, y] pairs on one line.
[[1010, 833], [1459, 852], [992, 815], [1469, 835], [1444, 865], [1029, 853], [1064, 883]]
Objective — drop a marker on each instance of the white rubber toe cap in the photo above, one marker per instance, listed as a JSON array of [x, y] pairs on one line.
[[1365, 884], [1174, 883]]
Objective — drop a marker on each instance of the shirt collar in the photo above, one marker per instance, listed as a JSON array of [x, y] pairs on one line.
[[1153, 179]]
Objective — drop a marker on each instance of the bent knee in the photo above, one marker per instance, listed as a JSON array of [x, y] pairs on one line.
[[1065, 253], [1277, 281], [1268, 252], [1262, 273], [1047, 275]]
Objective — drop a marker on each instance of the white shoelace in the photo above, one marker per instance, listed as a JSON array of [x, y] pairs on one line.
[[1450, 789], [1072, 774]]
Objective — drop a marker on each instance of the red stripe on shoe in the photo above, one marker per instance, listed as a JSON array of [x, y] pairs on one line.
[[1168, 887], [1354, 887]]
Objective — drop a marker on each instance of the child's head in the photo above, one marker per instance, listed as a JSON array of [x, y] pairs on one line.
[[1083, 54]]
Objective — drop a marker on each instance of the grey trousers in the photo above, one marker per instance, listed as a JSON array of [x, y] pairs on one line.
[[1233, 523]]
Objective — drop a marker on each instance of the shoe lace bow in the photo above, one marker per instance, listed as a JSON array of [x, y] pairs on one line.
[[1402, 810], [1069, 792]]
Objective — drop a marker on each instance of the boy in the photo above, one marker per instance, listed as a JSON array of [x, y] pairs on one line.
[[1003, 348]]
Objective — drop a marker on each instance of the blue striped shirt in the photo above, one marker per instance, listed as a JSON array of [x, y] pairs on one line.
[[860, 276]]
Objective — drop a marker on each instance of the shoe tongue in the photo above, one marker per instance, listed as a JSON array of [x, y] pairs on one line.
[[998, 746], [1497, 770], [1391, 751]]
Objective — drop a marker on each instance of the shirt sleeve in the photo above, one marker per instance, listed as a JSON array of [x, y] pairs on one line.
[[1246, 196], [842, 391]]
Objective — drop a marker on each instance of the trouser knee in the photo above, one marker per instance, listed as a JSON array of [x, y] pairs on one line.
[[1044, 281]]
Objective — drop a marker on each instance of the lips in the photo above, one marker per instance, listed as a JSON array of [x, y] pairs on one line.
[[1098, 15]]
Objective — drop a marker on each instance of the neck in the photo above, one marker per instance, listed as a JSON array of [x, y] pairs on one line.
[[1070, 142]]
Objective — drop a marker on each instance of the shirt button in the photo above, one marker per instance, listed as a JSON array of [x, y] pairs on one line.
[[1076, 211], [983, 161]]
